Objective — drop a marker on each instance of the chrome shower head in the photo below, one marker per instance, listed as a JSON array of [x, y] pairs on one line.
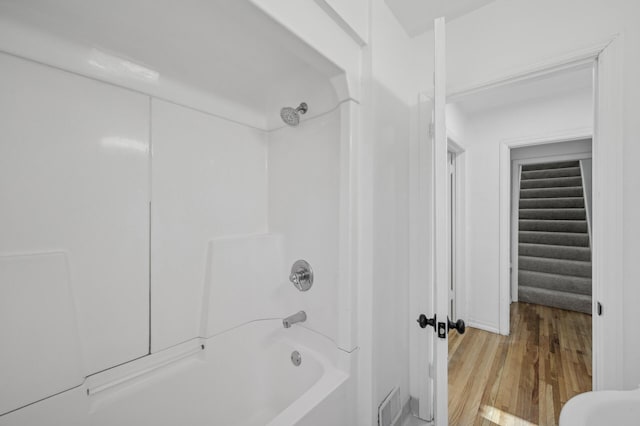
[[291, 116]]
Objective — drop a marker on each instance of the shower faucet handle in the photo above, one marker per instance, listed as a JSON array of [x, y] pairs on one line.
[[301, 275]]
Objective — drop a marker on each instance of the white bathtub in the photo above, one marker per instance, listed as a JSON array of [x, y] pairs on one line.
[[243, 377], [619, 408]]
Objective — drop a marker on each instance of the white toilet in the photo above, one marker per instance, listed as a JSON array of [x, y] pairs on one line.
[[620, 408]]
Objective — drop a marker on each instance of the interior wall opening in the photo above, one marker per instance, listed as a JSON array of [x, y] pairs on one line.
[[528, 374]]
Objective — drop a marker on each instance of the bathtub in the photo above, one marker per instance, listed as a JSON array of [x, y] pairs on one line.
[[242, 377], [619, 408]]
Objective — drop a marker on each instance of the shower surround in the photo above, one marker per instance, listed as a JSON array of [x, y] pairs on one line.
[[153, 227]]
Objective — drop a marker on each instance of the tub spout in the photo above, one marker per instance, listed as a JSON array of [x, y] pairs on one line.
[[292, 319]]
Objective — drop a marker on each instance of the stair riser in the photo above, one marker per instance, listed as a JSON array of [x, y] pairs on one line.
[[555, 282], [579, 240], [550, 166], [553, 173], [573, 268], [571, 191], [551, 183], [568, 301], [551, 214], [555, 252], [552, 203], [575, 226]]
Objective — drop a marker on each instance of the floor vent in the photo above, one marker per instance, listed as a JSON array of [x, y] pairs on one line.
[[390, 409]]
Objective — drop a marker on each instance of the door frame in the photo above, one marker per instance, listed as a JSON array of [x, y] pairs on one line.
[[607, 205], [607, 152], [460, 231]]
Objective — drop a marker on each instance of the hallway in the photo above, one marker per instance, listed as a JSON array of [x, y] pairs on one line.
[[524, 378]]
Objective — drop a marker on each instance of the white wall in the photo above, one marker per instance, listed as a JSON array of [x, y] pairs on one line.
[[456, 123], [546, 152], [351, 15], [582, 146], [311, 23], [485, 131], [390, 89]]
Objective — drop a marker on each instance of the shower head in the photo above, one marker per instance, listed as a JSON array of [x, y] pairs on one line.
[[291, 116]]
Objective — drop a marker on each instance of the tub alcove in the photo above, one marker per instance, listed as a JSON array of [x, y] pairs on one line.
[[155, 204]]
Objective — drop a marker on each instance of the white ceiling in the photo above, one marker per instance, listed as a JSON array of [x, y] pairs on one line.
[[416, 16], [226, 48], [556, 84]]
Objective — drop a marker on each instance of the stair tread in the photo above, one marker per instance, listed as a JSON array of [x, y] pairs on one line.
[[551, 220], [550, 275], [554, 238], [553, 214], [555, 182], [559, 172], [554, 251], [557, 202], [552, 187], [547, 259], [559, 234], [556, 192], [558, 299], [559, 246], [548, 291], [567, 267], [554, 225], [569, 284], [551, 165]]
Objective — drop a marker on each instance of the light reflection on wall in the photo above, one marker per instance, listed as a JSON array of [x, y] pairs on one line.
[[121, 67], [125, 144]]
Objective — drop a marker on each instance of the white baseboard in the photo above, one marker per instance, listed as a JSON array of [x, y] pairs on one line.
[[483, 326]]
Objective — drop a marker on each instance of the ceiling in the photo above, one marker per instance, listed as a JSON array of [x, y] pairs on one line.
[[229, 49], [548, 86], [416, 16]]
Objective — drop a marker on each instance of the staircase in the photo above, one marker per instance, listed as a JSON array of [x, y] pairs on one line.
[[554, 253]]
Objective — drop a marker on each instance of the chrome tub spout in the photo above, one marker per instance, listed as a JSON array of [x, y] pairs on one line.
[[292, 319]]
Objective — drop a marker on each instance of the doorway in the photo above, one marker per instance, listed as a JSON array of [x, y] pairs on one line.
[[510, 375], [431, 381]]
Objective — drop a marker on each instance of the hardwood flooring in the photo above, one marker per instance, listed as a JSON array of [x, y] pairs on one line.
[[521, 379]]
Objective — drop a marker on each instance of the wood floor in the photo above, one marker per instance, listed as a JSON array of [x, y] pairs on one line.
[[521, 379]]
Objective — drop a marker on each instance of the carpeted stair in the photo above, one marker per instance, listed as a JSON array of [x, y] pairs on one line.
[[554, 253]]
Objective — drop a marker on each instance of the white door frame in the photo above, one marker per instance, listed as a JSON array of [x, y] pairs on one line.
[[516, 166], [460, 232], [607, 204], [607, 208]]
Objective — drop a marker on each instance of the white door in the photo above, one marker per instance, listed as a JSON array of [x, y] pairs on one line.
[[434, 287], [441, 234]]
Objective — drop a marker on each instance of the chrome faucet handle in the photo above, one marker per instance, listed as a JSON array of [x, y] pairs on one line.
[[294, 278], [301, 275]]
